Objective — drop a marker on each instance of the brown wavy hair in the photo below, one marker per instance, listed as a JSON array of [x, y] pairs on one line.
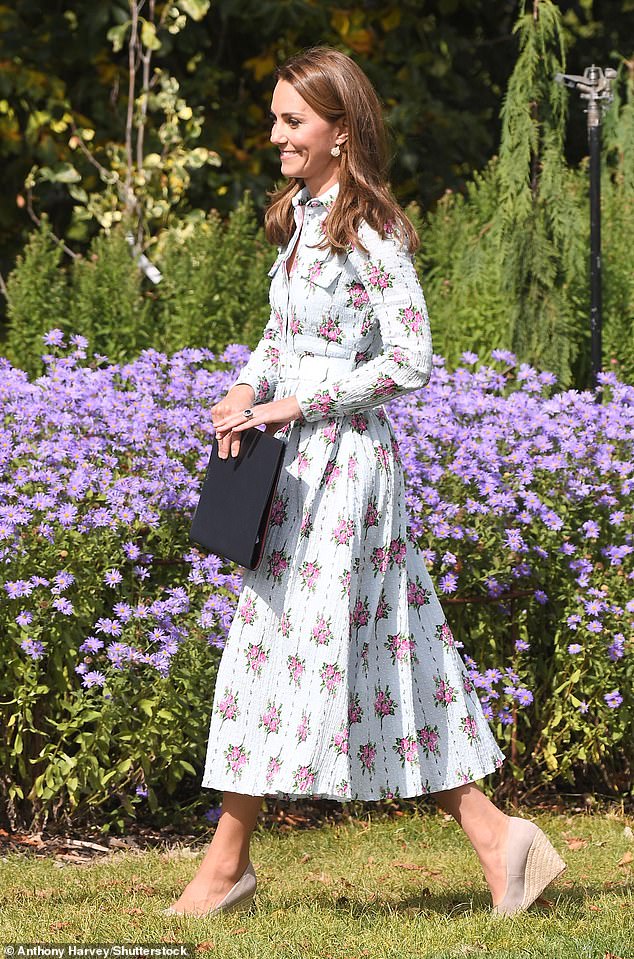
[[338, 90]]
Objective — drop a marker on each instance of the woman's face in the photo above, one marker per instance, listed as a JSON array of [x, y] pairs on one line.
[[304, 139]]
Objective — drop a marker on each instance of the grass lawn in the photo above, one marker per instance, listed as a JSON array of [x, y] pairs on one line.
[[400, 887]]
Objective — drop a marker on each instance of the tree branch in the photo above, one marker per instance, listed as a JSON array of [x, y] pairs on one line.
[[38, 222]]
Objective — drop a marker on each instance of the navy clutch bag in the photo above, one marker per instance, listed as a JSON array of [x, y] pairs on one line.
[[234, 508]]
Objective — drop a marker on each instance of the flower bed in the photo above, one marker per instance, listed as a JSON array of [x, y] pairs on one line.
[[112, 623]]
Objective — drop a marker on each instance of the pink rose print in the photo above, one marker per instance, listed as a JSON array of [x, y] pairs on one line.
[[247, 612], [499, 760], [257, 656], [303, 729], [262, 389], [307, 525], [386, 793], [293, 323], [330, 431], [366, 326], [309, 573], [469, 726], [385, 386], [464, 776], [345, 580], [302, 463], [330, 329], [314, 271], [344, 531], [352, 467], [383, 455], [321, 402], [364, 657], [359, 422], [228, 707], [467, 683], [444, 693], [412, 319], [237, 757], [331, 473], [355, 710], [380, 559], [384, 705], [371, 517], [383, 608], [277, 565], [273, 768], [296, 668], [395, 448], [321, 632], [357, 295], [407, 749], [340, 743], [285, 624], [303, 778], [379, 278], [331, 677], [343, 789], [398, 551], [270, 719], [446, 635], [366, 756], [401, 648], [278, 510], [429, 740], [380, 414], [417, 595], [360, 615]]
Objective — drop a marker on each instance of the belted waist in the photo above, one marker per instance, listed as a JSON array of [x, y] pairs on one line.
[[313, 358]]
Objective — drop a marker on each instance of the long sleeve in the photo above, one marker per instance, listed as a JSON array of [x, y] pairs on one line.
[[261, 369], [389, 281]]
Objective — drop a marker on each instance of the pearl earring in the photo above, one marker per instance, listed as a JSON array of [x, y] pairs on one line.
[[335, 151]]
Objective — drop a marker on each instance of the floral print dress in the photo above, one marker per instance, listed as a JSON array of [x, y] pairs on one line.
[[340, 677]]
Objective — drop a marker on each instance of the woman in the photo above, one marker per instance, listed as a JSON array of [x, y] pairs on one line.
[[340, 677]]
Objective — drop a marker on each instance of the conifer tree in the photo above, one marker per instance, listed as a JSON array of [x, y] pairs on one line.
[[539, 227]]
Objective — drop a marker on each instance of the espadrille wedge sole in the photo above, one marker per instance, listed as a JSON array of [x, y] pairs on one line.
[[239, 898], [532, 864]]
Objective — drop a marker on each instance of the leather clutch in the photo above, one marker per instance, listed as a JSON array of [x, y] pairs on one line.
[[234, 508]]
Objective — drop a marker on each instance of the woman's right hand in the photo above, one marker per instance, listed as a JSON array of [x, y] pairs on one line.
[[240, 397]]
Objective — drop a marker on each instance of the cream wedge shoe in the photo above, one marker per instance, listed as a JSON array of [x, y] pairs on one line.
[[239, 897], [532, 862]]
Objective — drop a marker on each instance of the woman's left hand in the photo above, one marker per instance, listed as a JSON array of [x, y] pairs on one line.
[[275, 415]]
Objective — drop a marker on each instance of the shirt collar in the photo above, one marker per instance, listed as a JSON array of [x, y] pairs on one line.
[[325, 199]]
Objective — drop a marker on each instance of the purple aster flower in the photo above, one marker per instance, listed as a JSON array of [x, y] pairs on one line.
[[24, 617], [91, 645], [112, 577], [448, 583], [20, 587], [524, 697], [54, 337], [109, 626], [213, 814], [575, 648], [583, 706], [613, 699], [595, 626], [521, 645], [64, 606], [573, 621], [93, 678], [541, 596], [591, 529], [33, 648], [141, 791]]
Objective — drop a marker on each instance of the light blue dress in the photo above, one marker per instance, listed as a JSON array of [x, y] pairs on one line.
[[340, 677]]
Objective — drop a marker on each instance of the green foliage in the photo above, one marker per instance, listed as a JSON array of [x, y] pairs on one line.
[[506, 264], [107, 304], [215, 288], [37, 293]]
